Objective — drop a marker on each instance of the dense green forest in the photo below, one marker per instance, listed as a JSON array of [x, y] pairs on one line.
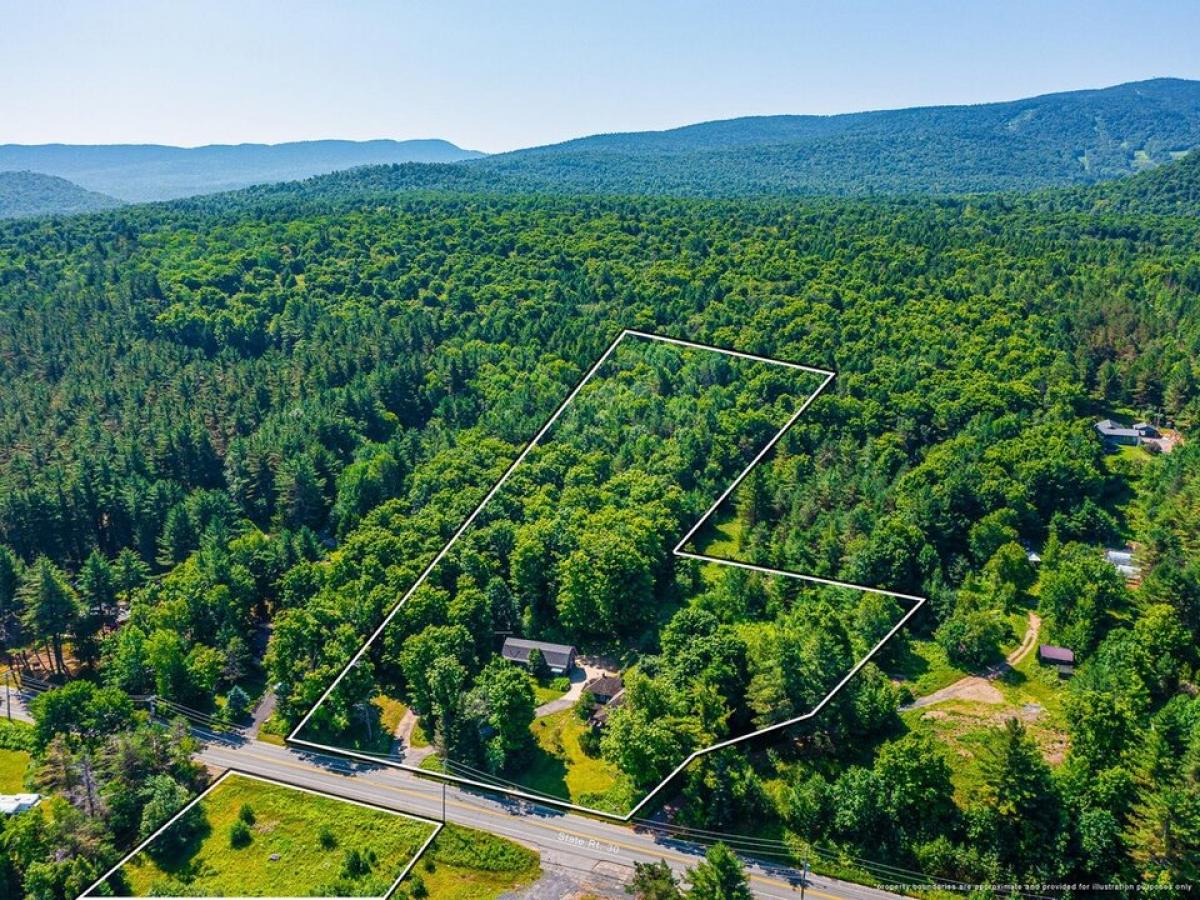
[[275, 407]]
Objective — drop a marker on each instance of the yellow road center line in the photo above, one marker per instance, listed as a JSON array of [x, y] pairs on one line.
[[480, 810]]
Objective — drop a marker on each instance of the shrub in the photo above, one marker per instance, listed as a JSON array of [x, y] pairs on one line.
[[246, 813], [589, 742], [584, 705], [325, 838], [560, 683], [416, 886], [240, 835], [355, 864]]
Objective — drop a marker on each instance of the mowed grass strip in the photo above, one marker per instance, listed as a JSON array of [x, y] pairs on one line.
[[312, 835]]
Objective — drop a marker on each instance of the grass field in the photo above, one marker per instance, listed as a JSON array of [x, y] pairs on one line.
[[464, 864], [559, 766], [418, 738], [1031, 693], [287, 823], [922, 666], [13, 764], [544, 693]]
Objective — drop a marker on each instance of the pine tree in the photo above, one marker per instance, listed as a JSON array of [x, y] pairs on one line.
[[1019, 789], [178, 537], [10, 605], [51, 607], [98, 586]]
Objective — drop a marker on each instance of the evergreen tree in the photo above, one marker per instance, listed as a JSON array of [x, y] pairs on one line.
[[653, 881], [720, 877], [52, 608], [98, 586], [10, 603]]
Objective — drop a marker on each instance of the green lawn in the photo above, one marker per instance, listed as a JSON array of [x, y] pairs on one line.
[[287, 822], [464, 864], [922, 666], [544, 693], [560, 768], [721, 537], [1032, 693], [13, 764]]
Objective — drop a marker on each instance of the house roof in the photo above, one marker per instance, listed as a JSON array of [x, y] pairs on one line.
[[556, 655], [15, 803], [605, 686], [1056, 654], [1109, 428]]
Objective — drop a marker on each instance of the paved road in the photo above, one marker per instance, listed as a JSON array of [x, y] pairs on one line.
[[567, 841]]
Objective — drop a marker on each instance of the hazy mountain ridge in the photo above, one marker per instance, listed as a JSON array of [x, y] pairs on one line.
[[34, 194], [1051, 141], [144, 172], [1054, 139]]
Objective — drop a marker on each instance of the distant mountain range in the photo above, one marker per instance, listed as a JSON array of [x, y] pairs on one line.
[[34, 194], [1055, 140], [140, 172]]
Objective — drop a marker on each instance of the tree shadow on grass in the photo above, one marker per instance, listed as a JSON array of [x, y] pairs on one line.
[[543, 770], [904, 662], [175, 849]]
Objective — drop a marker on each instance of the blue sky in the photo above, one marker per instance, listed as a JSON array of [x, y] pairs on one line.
[[512, 73]]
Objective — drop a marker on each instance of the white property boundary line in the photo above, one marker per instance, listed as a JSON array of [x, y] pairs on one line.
[[827, 377], [231, 772]]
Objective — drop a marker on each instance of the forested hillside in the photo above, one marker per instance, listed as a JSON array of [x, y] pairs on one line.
[[274, 407], [30, 194], [1057, 139], [1172, 190]]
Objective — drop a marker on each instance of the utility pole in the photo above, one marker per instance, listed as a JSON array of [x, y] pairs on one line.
[[7, 696], [803, 876], [445, 772]]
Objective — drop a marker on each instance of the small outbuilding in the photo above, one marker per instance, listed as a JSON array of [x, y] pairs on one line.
[[560, 658], [1061, 658], [1123, 561], [11, 804]]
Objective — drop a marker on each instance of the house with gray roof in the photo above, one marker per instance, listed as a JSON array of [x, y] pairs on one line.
[[1115, 433], [559, 657]]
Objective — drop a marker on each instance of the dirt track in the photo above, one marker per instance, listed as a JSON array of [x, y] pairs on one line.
[[979, 687]]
